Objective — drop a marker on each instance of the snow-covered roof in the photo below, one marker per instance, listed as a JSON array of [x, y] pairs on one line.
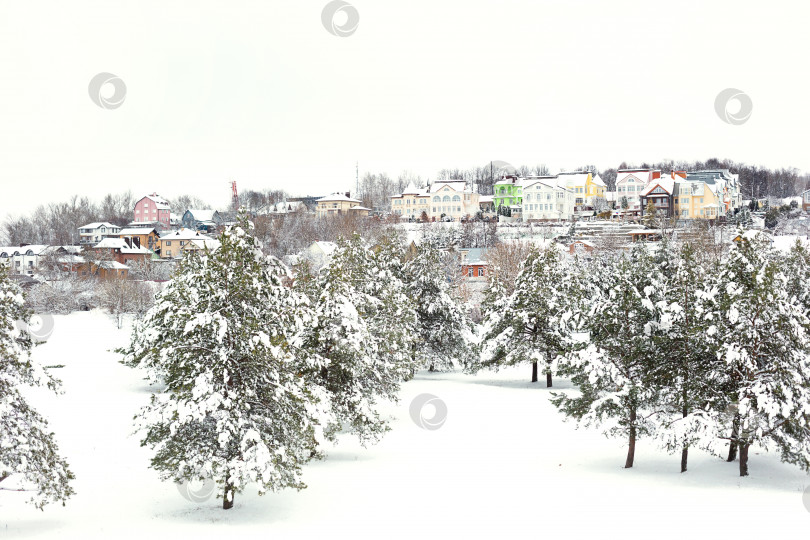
[[411, 189], [477, 256], [182, 234], [598, 181], [202, 215], [113, 265], [486, 198], [455, 185], [160, 202], [337, 197], [136, 231], [99, 224], [120, 243], [574, 178], [639, 175], [550, 181], [202, 243], [326, 247], [360, 208], [666, 182]]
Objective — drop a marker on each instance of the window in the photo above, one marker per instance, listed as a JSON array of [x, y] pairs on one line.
[[480, 272], [456, 198], [446, 198], [437, 199]]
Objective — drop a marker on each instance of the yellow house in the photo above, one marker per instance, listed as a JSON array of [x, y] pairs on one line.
[[172, 244], [411, 203], [696, 200], [585, 185], [339, 203]]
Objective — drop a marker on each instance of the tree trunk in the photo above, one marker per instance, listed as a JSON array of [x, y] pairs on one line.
[[684, 458], [431, 368], [227, 496], [744, 458], [631, 450], [732, 447], [548, 379], [534, 371]]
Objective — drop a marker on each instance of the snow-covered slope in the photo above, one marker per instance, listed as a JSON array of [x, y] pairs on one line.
[[503, 465]]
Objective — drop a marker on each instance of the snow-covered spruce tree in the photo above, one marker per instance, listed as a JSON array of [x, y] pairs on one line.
[[29, 456], [762, 333], [360, 338], [223, 337], [536, 323], [443, 331], [686, 372], [613, 371]]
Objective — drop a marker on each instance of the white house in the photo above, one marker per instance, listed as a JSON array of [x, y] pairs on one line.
[[93, 233], [547, 198], [22, 260], [629, 185], [453, 199]]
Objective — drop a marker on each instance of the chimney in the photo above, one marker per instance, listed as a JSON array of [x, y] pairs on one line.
[[348, 196]]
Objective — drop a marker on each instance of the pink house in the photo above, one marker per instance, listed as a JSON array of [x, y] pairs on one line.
[[152, 208]]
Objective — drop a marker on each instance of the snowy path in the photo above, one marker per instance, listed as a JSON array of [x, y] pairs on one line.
[[503, 465]]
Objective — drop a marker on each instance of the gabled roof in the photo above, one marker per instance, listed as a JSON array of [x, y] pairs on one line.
[[477, 256], [455, 185], [201, 215], [119, 243], [136, 231], [337, 197], [598, 181], [326, 247], [666, 182], [182, 234], [160, 202], [99, 224]]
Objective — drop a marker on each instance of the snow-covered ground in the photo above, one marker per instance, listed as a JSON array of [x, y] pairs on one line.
[[503, 465]]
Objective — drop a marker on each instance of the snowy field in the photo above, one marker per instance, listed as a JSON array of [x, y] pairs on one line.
[[503, 465]]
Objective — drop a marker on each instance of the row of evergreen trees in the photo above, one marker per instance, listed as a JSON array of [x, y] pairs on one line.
[[688, 350], [260, 368]]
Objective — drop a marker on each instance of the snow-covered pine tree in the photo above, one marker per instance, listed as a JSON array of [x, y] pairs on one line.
[[394, 322], [613, 371], [536, 323], [223, 337], [363, 353], [762, 333], [443, 331], [686, 370], [29, 456]]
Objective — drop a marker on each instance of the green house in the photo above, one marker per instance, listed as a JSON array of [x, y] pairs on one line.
[[508, 191]]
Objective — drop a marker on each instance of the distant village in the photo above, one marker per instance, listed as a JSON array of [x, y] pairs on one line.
[[644, 200]]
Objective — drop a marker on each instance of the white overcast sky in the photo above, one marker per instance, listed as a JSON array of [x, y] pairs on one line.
[[261, 93]]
